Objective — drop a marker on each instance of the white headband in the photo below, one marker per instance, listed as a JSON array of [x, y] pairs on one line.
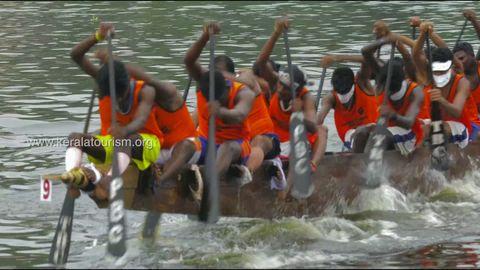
[[401, 93], [441, 66]]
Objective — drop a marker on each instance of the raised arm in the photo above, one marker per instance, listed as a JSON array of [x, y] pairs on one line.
[[407, 59], [267, 72], [471, 16], [369, 50], [194, 69], [364, 73], [165, 92], [418, 55], [327, 104], [241, 110], [78, 53]]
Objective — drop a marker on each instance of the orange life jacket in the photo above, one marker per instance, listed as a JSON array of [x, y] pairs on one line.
[[476, 91], [281, 118], [467, 112], [150, 126], [176, 126], [223, 132], [403, 108], [259, 117], [363, 111]]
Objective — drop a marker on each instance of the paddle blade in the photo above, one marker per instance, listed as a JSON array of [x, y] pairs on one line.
[[300, 170], [116, 216], [61, 241], [151, 225], [375, 171]]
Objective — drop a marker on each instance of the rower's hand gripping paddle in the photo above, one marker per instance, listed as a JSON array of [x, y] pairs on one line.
[[299, 170]]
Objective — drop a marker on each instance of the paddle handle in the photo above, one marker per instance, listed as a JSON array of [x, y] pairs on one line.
[[435, 109], [461, 32], [89, 113], [320, 88], [116, 215], [211, 172], [289, 62], [187, 89], [414, 32]]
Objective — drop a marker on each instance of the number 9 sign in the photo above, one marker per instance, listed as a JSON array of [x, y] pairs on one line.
[[45, 190]]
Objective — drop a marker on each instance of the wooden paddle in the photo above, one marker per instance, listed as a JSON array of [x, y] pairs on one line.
[[299, 159], [461, 32], [414, 32], [61, 241], [185, 93], [438, 141], [116, 214], [375, 157], [320, 88], [209, 207]]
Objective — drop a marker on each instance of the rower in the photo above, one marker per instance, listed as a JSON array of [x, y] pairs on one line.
[[232, 104], [452, 92], [181, 145], [282, 102], [137, 127], [463, 51], [405, 101], [265, 144]]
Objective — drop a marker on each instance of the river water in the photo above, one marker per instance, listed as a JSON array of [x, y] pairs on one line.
[[44, 95]]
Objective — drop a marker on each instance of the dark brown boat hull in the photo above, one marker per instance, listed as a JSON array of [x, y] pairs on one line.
[[337, 182]]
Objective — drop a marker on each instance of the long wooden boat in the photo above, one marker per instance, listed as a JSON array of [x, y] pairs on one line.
[[338, 181]]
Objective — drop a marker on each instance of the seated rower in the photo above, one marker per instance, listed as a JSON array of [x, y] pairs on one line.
[[452, 92], [405, 101], [470, 67], [282, 102], [265, 144], [355, 110], [281, 107], [231, 107], [181, 145], [137, 127]]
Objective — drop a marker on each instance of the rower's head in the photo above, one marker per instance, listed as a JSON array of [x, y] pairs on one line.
[[283, 83], [122, 81], [224, 63], [442, 60], [397, 81], [463, 51], [221, 87], [380, 29], [343, 80]]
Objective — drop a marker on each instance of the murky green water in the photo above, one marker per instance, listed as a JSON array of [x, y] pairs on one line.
[[43, 94]]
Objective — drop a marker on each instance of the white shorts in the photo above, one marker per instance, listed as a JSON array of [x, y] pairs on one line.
[[166, 154], [459, 133], [348, 143], [403, 139]]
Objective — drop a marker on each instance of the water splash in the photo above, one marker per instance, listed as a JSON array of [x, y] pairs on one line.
[[383, 198]]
